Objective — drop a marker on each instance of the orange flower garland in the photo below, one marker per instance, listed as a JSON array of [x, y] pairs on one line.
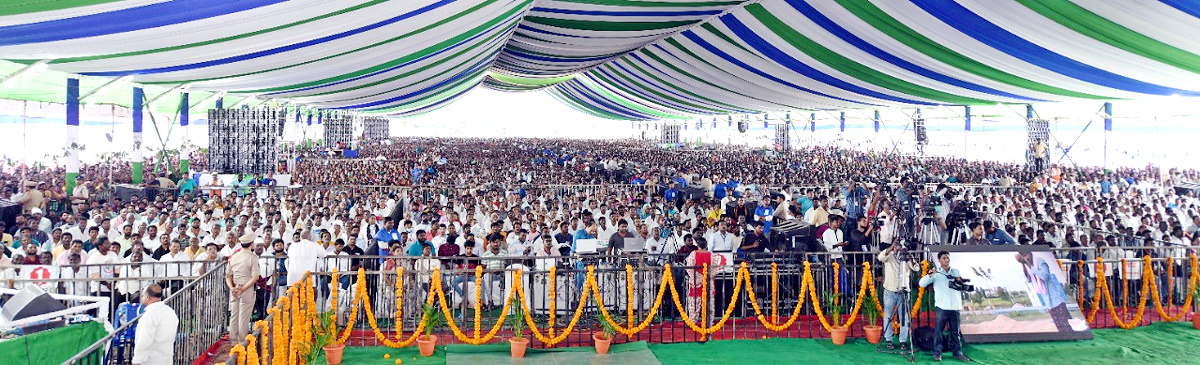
[[294, 313], [591, 287], [921, 290]]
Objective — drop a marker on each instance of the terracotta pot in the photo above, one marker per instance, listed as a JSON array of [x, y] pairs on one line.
[[517, 346], [333, 354], [1196, 320], [603, 341], [426, 344], [874, 334], [839, 335]]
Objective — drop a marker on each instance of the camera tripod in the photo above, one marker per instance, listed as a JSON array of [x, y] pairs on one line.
[[901, 309]]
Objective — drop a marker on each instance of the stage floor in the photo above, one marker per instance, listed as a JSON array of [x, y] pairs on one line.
[[1160, 343]]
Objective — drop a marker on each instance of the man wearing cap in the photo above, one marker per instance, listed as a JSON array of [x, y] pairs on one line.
[[241, 276], [31, 198], [41, 222]]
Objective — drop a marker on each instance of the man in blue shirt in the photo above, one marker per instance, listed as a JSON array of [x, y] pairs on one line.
[[588, 232], [671, 194], [947, 302], [854, 201], [384, 236], [415, 249], [997, 236], [805, 202], [719, 191], [764, 213]]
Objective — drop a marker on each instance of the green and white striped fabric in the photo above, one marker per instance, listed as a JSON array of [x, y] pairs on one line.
[[619, 59]]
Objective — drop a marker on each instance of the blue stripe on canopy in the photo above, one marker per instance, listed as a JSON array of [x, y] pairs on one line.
[[644, 92], [1192, 7], [997, 37], [845, 35], [711, 48], [584, 92], [277, 50], [628, 13], [125, 20], [505, 23], [474, 70]]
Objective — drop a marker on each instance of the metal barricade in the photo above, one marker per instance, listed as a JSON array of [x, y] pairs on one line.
[[633, 290], [202, 307], [120, 282]]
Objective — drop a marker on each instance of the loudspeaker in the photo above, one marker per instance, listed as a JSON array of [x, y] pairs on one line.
[[29, 302], [9, 212]]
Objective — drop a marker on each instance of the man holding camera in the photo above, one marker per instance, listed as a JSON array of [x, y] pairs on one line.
[[948, 301], [897, 268]]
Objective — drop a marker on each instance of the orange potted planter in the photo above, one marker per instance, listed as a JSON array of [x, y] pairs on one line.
[[871, 314], [430, 319], [518, 344], [333, 353], [603, 339]]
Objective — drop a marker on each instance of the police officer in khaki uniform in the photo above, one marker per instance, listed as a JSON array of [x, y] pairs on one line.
[[241, 276]]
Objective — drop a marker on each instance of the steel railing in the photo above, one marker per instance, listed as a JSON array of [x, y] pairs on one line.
[[202, 307]]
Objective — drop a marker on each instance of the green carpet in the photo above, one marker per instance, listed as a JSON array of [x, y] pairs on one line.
[[51, 347], [1166, 343], [498, 353], [1160, 343]]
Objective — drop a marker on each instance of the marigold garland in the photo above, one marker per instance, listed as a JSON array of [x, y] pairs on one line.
[[774, 325], [920, 290], [293, 314], [592, 287], [441, 296], [1187, 303], [551, 340]]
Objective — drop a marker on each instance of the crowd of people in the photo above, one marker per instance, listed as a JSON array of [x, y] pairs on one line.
[[457, 203]]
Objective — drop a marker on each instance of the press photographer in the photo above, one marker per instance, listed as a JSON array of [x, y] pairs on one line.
[[897, 271], [948, 286]]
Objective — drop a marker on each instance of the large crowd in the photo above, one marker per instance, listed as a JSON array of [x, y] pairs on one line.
[[457, 203]]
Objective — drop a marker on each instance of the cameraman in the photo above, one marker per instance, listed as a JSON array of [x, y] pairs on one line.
[[933, 223], [948, 302], [897, 269]]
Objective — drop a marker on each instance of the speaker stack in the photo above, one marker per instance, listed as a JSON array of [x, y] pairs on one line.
[[670, 133], [244, 140], [375, 129], [339, 130]]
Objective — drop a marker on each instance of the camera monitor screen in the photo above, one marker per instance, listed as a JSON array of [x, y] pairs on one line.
[[1019, 294]]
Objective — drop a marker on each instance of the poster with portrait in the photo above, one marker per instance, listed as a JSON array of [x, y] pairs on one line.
[[1020, 295]]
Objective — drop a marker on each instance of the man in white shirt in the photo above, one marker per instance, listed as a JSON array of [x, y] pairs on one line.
[[721, 240], [104, 258], [154, 340], [833, 238], [302, 258]]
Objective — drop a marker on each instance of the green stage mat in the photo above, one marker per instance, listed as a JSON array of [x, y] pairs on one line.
[[636, 353], [1160, 343], [51, 347]]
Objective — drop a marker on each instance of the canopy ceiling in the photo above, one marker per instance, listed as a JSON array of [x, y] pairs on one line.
[[619, 59]]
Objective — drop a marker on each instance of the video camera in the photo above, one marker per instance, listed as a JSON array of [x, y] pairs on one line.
[[960, 284]]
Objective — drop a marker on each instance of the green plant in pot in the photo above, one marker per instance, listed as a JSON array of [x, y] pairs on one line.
[[834, 308], [604, 337], [324, 339], [1196, 305], [431, 319], [516, 319], [871, 313]]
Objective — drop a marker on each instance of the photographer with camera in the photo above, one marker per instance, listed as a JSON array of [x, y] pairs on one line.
[[932, 229], [948, 286], [897, 270]]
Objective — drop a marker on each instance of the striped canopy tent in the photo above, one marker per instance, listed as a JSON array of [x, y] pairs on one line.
[[618, 59]]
